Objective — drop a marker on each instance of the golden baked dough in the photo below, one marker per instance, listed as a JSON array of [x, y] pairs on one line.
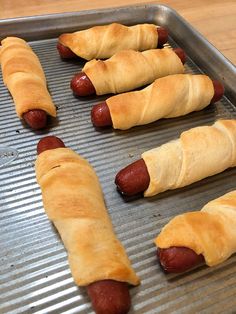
[[129, 69], [168, 97], [73, 201], [198, 153], [104, 41], [210, 232], [24, 77]]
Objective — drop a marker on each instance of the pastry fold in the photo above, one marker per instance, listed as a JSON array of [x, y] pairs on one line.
[[24, 77], [104, 41], [210, 232], [168, 97], [73, 201], [129, 69], [198, 153]]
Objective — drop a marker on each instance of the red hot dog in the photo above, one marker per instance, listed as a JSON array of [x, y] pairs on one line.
[[101, 117], [49, 142], [107, 296], [178, 259], [81, 85], [133, 179], [67, 53], [36, 119], [218, 91], [162, 36], [181, 54]]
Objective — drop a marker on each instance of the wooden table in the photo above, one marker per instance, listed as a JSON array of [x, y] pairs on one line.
[[215, 19]]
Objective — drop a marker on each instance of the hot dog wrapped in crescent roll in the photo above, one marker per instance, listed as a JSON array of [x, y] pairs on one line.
[[73, 201], [129, 69], [167, 97], [198, 153], [24, 77], [104, 41], [209, 232]]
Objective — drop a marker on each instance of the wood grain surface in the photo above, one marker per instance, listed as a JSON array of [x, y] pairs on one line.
[[215, 19]]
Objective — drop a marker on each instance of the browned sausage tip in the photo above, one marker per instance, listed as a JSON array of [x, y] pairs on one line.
[[100, 115], [218, 91], [181, 54], [109, 297], [81, 85], [178, 259], [49, 142], [133, 179], [162, 36], [65, 52], [36, 118]]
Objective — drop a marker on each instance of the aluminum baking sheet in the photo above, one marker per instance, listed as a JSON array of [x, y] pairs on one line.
[[34, 276]]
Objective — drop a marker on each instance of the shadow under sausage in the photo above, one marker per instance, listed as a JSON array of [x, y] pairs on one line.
[[128, 198], [174, 277], [51, 122]]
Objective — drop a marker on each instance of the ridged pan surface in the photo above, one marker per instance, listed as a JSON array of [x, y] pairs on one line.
[[35, 277]]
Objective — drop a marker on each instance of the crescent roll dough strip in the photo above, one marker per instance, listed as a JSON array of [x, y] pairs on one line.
[[198, 153], [167, 97], [129, 69], [104, 41], [24, 77], [211, 231], [73, 201]]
